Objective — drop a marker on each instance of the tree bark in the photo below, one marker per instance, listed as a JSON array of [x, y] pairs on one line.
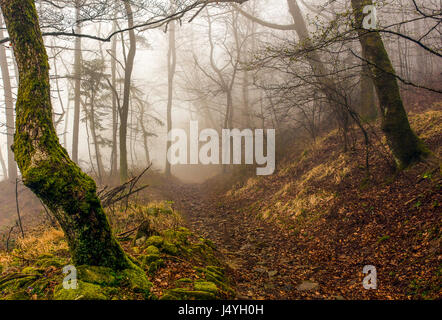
[[9, 109], [114, 154], [77, 86], [326, 82], [92, 121], [403, 142], [368, 104], [126, 93], [171, 67], [3, 165], [45, 165]]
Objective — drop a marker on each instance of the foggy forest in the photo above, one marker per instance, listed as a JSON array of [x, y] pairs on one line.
[[220, 150]]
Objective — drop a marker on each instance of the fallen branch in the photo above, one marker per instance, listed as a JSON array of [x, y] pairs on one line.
[[110, 196]]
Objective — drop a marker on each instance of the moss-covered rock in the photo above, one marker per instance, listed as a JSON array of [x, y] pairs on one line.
[[152, 250], [183, 281], [178, 236], [169, 248], [206, 286], [149, 258], [156, 241], [185, 294], [202, 252], [136, 280], [216, 275], [95, 274], [155, 266], [84, 291]]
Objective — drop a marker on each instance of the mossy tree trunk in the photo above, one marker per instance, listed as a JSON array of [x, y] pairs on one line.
[[368, 106], [45, 166], [403, 142]]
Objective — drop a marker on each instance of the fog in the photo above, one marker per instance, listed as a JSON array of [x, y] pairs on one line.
[[264, 69]]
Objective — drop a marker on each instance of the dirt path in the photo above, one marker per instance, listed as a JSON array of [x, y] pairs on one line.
[[263, 260]]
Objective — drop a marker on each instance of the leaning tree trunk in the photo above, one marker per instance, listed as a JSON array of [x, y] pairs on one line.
[[403, 142], [45, 165]]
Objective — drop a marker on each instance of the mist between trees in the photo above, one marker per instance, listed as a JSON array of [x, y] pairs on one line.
[[102, 82]]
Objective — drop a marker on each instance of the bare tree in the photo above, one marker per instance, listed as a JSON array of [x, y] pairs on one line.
[[406, 147], [9, 108], [171, 69]]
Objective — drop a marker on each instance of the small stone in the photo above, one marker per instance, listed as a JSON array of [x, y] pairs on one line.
[[307, 286]]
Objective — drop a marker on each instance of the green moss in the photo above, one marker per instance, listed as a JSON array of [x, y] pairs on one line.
[[152, 250], [178, 237], [148, 259], [136, 280], [185, 294], [41, 287], [217, 270], [206, 286], [20, 295], [216, 275], [20, 283], [85, 291], [202, 252], [46, 261], [96, 275], [169, 248], [32, 270], [156, 241], [155, 266], [183, 281], [45, 165]]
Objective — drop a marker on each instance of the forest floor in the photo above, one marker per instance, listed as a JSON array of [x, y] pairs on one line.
[[307, 231], [262, 258]]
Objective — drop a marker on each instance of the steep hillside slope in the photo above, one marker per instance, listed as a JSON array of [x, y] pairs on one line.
[[342, 219]]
